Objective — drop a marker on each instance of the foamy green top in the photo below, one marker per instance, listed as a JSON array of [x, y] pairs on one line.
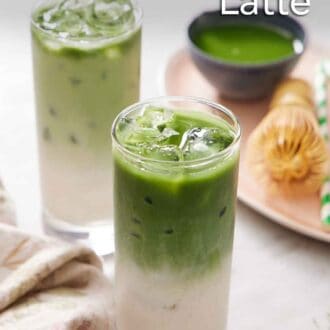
[[87, 19]]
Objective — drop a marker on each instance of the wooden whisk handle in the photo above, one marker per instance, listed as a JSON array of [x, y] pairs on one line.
[[295, 92]]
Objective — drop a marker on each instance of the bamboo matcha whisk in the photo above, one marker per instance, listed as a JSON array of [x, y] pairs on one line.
[[286, 151]]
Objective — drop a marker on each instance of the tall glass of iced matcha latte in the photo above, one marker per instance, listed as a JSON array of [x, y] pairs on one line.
[[175, 180], [86, 68]]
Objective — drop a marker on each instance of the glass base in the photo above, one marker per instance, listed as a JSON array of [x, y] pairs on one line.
[[99, 237]]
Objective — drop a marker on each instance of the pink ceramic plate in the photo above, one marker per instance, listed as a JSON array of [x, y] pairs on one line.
[[301, 215]]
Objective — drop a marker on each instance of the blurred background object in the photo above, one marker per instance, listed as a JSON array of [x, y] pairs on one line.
[[286, 151]]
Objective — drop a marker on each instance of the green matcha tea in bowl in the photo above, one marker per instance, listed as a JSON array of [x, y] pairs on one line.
[[175, 180], [86, 56], [245, 56]]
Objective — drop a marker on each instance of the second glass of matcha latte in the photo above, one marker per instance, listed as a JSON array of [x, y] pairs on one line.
[[175, 181], [86, 56]]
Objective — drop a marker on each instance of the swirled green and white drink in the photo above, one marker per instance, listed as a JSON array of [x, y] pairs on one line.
[[175, 177], [86, 67]]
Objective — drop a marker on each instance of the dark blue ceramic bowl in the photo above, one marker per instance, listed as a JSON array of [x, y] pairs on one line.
[[244, 81]]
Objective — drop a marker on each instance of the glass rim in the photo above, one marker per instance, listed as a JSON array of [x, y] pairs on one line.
[[138, 12], [196, 162]]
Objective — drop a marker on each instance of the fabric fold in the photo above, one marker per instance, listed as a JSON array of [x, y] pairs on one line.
[[50, 284]]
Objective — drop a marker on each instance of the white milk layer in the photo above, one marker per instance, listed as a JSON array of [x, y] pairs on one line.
[[76, 188], [160, 301]]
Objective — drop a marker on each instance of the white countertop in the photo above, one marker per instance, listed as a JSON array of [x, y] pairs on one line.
[[281, 280]]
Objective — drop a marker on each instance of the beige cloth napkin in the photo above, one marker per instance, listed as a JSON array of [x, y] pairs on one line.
[[47, 284]]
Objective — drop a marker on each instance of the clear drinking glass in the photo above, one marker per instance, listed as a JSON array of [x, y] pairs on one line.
[[174, 219], [86, 56]]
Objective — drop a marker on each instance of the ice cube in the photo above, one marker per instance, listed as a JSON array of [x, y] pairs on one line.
[[50, 18], [126, 126], [155, 117], [73, 25], [168, 132], [161, 152], [142, 136], [137, 135], [51, 14], [76, 5], [199, 142], [169, 136], [148, 141], [64, 21], [113, 12], [49, 26]]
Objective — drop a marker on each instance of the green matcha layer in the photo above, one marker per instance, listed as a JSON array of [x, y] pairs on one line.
[[81, 86], [183, 219]]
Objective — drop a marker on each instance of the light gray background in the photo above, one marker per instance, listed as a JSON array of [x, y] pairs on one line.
[[281, 281]]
